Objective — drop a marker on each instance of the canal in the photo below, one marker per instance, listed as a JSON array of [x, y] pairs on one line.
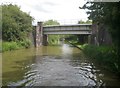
[[53, 66]]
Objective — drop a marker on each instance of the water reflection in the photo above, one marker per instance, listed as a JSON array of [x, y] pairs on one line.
[[66, 49], [52, 66]]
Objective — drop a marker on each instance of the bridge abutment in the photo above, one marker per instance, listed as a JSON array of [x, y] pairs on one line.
[[40, 38]]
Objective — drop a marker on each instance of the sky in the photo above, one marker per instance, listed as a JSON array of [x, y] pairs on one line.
[[64, 11]]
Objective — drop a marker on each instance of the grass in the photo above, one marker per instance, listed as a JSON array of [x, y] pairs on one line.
[[8, 46], [105, 55]]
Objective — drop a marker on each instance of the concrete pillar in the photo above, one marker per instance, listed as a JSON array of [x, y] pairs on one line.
[[81, 39], [86, 39], [39, 34], [89, 39], [45, 38]]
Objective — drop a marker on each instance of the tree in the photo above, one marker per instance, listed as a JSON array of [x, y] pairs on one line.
[[88, 22], [81, 22], [51, 22], [85, 22], [109, 15], [16, 24]]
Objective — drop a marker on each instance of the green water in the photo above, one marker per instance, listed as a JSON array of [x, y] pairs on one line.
[[53, 66]]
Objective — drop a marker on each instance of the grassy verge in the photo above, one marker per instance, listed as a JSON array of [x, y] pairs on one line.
[[8, 46], [105, 55]]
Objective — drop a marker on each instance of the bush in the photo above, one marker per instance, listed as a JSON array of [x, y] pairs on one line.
[[25, 43]]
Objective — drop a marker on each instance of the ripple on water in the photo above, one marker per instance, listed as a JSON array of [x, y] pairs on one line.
[[90, 73], [60, 72]]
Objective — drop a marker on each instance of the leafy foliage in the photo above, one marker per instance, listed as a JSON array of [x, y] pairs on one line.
[[85, 22], [25, 43], [109, 15], [16, 24], [51, 22]]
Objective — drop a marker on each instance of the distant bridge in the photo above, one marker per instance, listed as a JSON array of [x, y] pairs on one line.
[[41, 31], [68, 29]]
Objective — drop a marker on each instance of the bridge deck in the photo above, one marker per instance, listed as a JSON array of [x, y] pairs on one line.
[[68, 29]]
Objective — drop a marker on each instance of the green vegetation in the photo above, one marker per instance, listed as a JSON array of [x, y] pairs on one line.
[[73, 39], [8, 46], [109, 15], [51, 22], [85, 22], [16, 26], [52, 39], [105, 55]]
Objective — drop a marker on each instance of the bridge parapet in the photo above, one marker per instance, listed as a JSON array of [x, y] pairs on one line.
[[68, 29]]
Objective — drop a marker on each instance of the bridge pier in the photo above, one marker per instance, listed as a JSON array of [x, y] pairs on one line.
[[38, 34], [45, 40], [40, 38], [89, 39], [83, 39]]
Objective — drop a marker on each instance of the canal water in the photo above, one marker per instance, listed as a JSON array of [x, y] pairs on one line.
[[53, 66]]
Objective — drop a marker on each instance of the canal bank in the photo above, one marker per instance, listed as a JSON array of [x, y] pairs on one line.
[[53, 66], [8, 46], [104, 55]]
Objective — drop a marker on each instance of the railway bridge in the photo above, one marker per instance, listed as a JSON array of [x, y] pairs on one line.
[[41, 31]]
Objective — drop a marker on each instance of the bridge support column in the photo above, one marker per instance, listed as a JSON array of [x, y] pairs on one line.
[[45, 40], [89, 39], [39, 34]]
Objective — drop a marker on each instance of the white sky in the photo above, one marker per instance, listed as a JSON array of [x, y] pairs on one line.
[[64, 11]]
